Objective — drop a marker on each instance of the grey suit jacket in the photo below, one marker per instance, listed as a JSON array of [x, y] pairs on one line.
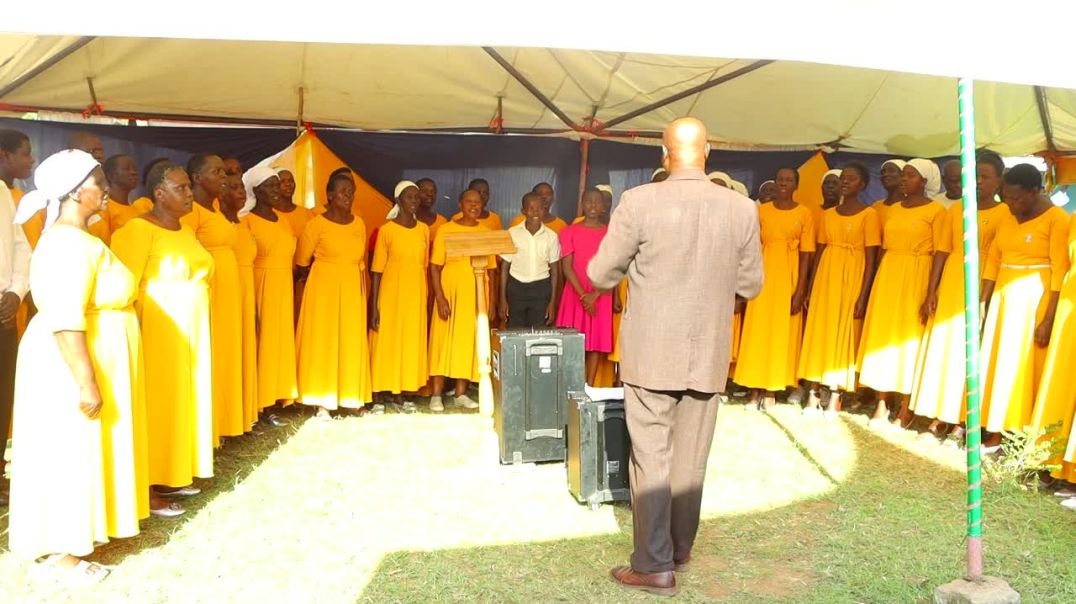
[[688, 247]]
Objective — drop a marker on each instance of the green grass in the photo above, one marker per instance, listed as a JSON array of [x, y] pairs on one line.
[[414, 508]]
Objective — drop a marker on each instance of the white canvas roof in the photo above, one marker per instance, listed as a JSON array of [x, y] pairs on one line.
[[881, 76]]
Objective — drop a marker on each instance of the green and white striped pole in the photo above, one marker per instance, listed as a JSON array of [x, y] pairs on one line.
[[971, 327]]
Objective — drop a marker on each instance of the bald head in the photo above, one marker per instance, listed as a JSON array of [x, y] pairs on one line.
[[88, 142], [685, 143]]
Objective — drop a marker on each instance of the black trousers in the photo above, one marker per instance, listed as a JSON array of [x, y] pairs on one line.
[[527, 302], [9, 346]]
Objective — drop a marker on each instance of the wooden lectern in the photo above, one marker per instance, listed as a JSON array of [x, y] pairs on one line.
[[479, 247]]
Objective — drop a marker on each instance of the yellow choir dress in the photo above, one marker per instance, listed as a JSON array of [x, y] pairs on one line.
[[117, 214], [297, 219], [453, 353], [772, 336], [491, 222], [1055, 401], [246, 249], [173, 272], [1027, 261], [437, 223], [334, 360], [273, 299], [217, 235], [938, 391], [399, 349], [892, 330], [78, 482], [831, 335]]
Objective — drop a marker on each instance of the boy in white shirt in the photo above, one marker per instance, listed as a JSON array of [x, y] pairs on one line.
[[528, 291]]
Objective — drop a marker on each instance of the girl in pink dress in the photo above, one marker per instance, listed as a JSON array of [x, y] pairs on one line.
[[581, 306]]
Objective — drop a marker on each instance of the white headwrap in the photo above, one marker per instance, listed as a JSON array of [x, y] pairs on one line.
[[401, 186], [55, 178], [740, 188], [899, 163], [605, 189], [834, 172], [656, 172], [722, 176], [929, 171], [252, 178]]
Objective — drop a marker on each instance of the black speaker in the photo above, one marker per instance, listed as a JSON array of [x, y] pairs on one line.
[[598, 450]]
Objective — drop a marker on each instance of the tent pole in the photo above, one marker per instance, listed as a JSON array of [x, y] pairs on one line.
[[971, 328], [299, 116], [584, 167], [44, 66], [515, 73], [1044, 117]]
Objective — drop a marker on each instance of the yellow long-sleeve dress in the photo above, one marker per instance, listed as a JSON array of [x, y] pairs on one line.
[[1055, 401], [831, 334], [332, 345], [79, 481], [491, 222], [1026, 261], [117, 214], [772, 336], [453, 351], [217, 235], [246, 249], [274, 304], [297, 219], [938, 392], [892, 330], [400, 358], [173, 272]]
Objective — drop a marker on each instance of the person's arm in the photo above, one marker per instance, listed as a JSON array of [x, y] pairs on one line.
[[749, 274], [1042, 332], [817, 260], [799, 297], [870, 268], [1059, 267], [575, 284], [554, 294], [618, 248], [443, 309], [505, 267], [375, 312], [76, 354], [930, 305]]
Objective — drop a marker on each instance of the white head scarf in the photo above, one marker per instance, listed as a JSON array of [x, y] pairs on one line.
[[605, 188], [899, 163], [740, 188], [253, 178], [656, 172], [401, 186], [55, 178], [928, 170], [834, 172], [721, 175]]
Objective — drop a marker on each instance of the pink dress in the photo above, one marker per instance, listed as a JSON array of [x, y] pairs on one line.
[[582, 243]]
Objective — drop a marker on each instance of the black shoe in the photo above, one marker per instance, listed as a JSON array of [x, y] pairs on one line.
[[274, 421]]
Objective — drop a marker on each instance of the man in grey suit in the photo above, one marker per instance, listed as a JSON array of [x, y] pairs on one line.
[[688, 248]]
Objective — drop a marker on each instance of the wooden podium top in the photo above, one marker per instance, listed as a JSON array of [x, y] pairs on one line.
[[479, 244]]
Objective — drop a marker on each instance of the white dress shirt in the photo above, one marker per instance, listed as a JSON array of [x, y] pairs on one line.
[[534, 253], [14, 249]]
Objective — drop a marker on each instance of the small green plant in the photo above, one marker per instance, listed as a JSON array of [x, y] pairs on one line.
[[1024, 455]]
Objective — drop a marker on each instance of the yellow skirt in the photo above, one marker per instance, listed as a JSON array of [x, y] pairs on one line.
[[892, 331], [399, 346], [453, 351], [226, 325], [332, 345], [273, 291], [249, 323], [772, 336], [1055, 401], [831, 334], [941, 369], [1010, 360]]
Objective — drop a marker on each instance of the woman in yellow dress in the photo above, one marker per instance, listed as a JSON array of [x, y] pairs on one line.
[[398, 299], [487, 218], [1024, 273], [80, 425], [938, 391], [274, 285], [233, 204], [297, 217], [773, 322], [427, 213], [846, 260], [896, 317], [453, 350], [217, 235], [891, 176], [332, 345], [173, 271], [122, 174]]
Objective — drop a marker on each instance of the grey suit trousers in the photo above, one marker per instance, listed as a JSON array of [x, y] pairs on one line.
[[671, 434]]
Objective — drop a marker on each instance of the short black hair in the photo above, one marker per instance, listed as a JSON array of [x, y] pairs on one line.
[[859, 168], [422, 180], [795, 173], [149, 168], [112, 164], [11, 140], [541, 184], [466, 191], [531, 195], [197, 163], [1025, 176], [158, 171], [337, 174], [991, 159], [477, 181]]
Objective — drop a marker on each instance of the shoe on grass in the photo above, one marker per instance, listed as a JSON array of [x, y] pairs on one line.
[[436, 405], [465, 401]]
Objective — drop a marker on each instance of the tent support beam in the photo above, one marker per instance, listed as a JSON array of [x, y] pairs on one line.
[[44, 66], [530, 87], [299, 116], [1044, 117], [732, 75]]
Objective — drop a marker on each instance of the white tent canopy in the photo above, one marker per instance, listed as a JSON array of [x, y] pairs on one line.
[[361, 68]]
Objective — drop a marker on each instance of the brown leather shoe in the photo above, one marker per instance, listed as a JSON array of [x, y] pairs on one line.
[[682, 566], [659, 584]]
